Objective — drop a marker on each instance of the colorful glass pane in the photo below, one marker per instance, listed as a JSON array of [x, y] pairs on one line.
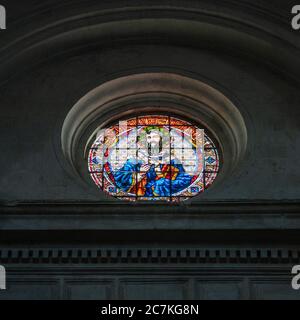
[[153, 158]]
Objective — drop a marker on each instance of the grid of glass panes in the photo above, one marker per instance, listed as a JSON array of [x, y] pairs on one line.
[[153, 158]]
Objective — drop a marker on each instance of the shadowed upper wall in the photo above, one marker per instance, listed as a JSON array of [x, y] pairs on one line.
[[48, 64]]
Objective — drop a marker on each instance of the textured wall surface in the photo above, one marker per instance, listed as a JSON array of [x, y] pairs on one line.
[[54, 66]]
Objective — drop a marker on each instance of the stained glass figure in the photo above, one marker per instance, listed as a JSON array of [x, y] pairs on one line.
[[153, 158]]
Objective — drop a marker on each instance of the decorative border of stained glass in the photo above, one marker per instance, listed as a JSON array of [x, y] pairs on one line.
[[153, 157]]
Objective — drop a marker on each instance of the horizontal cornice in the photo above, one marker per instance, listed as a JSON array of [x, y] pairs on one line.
[[150, 255], [116, 206], [267, 215]]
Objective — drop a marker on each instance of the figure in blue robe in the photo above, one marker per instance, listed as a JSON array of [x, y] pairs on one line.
[[169, 180]]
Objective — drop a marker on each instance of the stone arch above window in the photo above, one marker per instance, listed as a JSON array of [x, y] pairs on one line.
[[166, 96]]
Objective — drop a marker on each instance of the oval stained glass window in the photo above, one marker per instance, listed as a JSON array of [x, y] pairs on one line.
[[153, 157]]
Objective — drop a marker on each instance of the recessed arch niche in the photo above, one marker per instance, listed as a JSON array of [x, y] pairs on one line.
[[146, 93]]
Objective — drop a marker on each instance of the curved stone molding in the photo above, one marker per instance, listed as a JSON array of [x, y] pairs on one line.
[[86, 25], [154, 92]]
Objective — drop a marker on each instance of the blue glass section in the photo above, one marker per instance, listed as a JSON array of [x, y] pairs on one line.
[[210, 160], [155, 184]]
